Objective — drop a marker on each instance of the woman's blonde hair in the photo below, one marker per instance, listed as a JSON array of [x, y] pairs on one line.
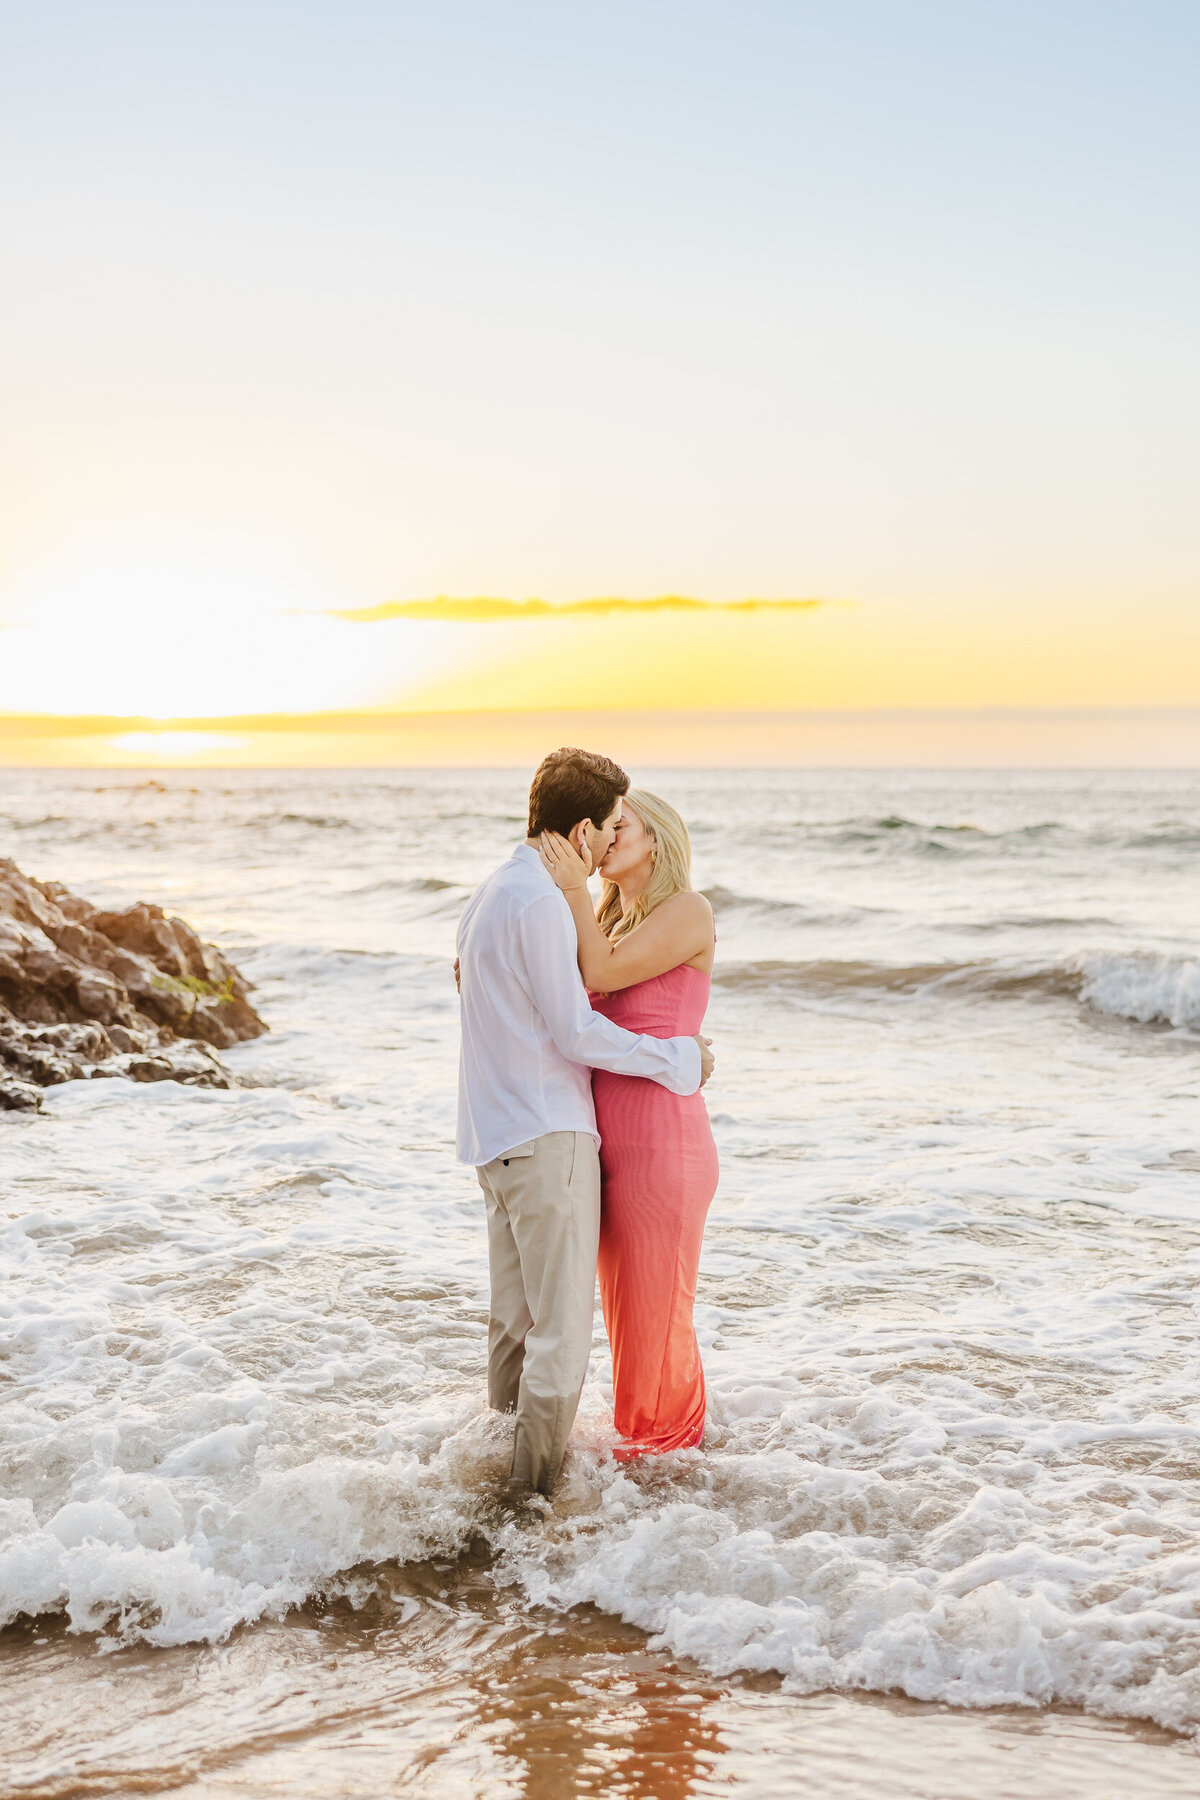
[[671, 874]]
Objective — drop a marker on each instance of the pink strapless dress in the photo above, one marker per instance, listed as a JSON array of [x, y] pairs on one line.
[[658, 1164]]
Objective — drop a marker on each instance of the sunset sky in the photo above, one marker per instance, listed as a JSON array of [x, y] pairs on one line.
[[321, 320]]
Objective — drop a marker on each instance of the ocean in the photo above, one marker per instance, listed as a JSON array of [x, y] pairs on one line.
[[948, 1505]]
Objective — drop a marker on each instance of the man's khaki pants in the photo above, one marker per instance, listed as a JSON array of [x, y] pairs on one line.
[[543, 1211]]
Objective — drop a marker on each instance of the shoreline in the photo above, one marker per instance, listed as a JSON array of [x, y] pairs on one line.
[[433, 1679]]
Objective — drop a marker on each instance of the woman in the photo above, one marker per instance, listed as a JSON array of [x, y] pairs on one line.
[[646, 954]]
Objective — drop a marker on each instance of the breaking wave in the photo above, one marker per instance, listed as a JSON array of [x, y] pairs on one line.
[[1148, 988], [1152, 989], [895, 834], [827, 976]]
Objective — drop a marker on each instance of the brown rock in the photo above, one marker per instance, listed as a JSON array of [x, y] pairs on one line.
[[18, 1096], [86, 992]]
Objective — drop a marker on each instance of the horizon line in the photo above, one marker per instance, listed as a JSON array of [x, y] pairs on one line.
[[365, 719]]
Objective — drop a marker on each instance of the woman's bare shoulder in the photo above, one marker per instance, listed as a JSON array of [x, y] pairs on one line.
[[687, 908]]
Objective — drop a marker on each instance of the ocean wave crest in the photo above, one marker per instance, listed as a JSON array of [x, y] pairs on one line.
[[896, 835], [829, 976], [1152, 989], [1146, 987], [725, 900], [424, 893], [312, 821]]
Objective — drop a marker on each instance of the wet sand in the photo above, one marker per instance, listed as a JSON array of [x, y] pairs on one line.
[[438, 1683]]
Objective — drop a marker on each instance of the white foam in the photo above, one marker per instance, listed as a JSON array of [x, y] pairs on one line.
[[976, 1595], [1144, 986]]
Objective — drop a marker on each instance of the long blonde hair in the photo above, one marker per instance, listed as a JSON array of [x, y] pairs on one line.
[[671, 874]]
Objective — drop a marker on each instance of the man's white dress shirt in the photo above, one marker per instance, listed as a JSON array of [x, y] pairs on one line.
[[529, 1037]]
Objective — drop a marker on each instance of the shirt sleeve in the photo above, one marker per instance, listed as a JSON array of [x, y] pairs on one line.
[[546, 932]]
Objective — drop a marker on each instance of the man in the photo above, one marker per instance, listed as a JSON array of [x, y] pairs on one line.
[[525, 1115]]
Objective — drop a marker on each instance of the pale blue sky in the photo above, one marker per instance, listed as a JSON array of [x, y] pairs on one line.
[[890, 302]]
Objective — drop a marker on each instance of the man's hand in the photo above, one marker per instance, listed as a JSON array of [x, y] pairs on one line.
[[457, 976], [707, 1060]]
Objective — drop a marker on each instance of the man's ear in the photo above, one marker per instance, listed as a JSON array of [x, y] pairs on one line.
[[577, 838]]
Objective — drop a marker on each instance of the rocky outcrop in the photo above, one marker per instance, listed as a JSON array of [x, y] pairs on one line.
[[86, 993]]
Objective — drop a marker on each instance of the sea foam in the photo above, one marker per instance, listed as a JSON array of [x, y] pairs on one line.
[[1143, 986]]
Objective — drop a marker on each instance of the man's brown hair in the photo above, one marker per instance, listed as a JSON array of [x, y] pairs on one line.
[[571, 785]]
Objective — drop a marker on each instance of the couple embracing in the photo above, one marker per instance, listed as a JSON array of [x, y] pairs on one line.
[[580, 1106]]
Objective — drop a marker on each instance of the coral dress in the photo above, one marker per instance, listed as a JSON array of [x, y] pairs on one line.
[[658, 1164]]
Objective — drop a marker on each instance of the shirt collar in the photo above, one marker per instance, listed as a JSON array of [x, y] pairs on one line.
[[527, 856]]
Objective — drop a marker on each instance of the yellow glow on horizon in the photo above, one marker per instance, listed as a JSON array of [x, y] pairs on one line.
[[897, 739], [177, 746], [834, 657], [174, 637]]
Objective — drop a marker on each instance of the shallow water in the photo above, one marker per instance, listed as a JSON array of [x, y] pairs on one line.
[[438, 1682], [948, 1305]]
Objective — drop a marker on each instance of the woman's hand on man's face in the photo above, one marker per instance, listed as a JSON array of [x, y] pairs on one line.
[[563, 861]]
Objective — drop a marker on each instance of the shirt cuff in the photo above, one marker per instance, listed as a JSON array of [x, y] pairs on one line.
[[690, 1071]]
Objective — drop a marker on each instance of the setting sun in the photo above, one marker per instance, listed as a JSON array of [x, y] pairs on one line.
[[166, 635]]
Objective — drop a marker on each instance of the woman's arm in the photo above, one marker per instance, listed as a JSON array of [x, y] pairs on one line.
[[678, 930]]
